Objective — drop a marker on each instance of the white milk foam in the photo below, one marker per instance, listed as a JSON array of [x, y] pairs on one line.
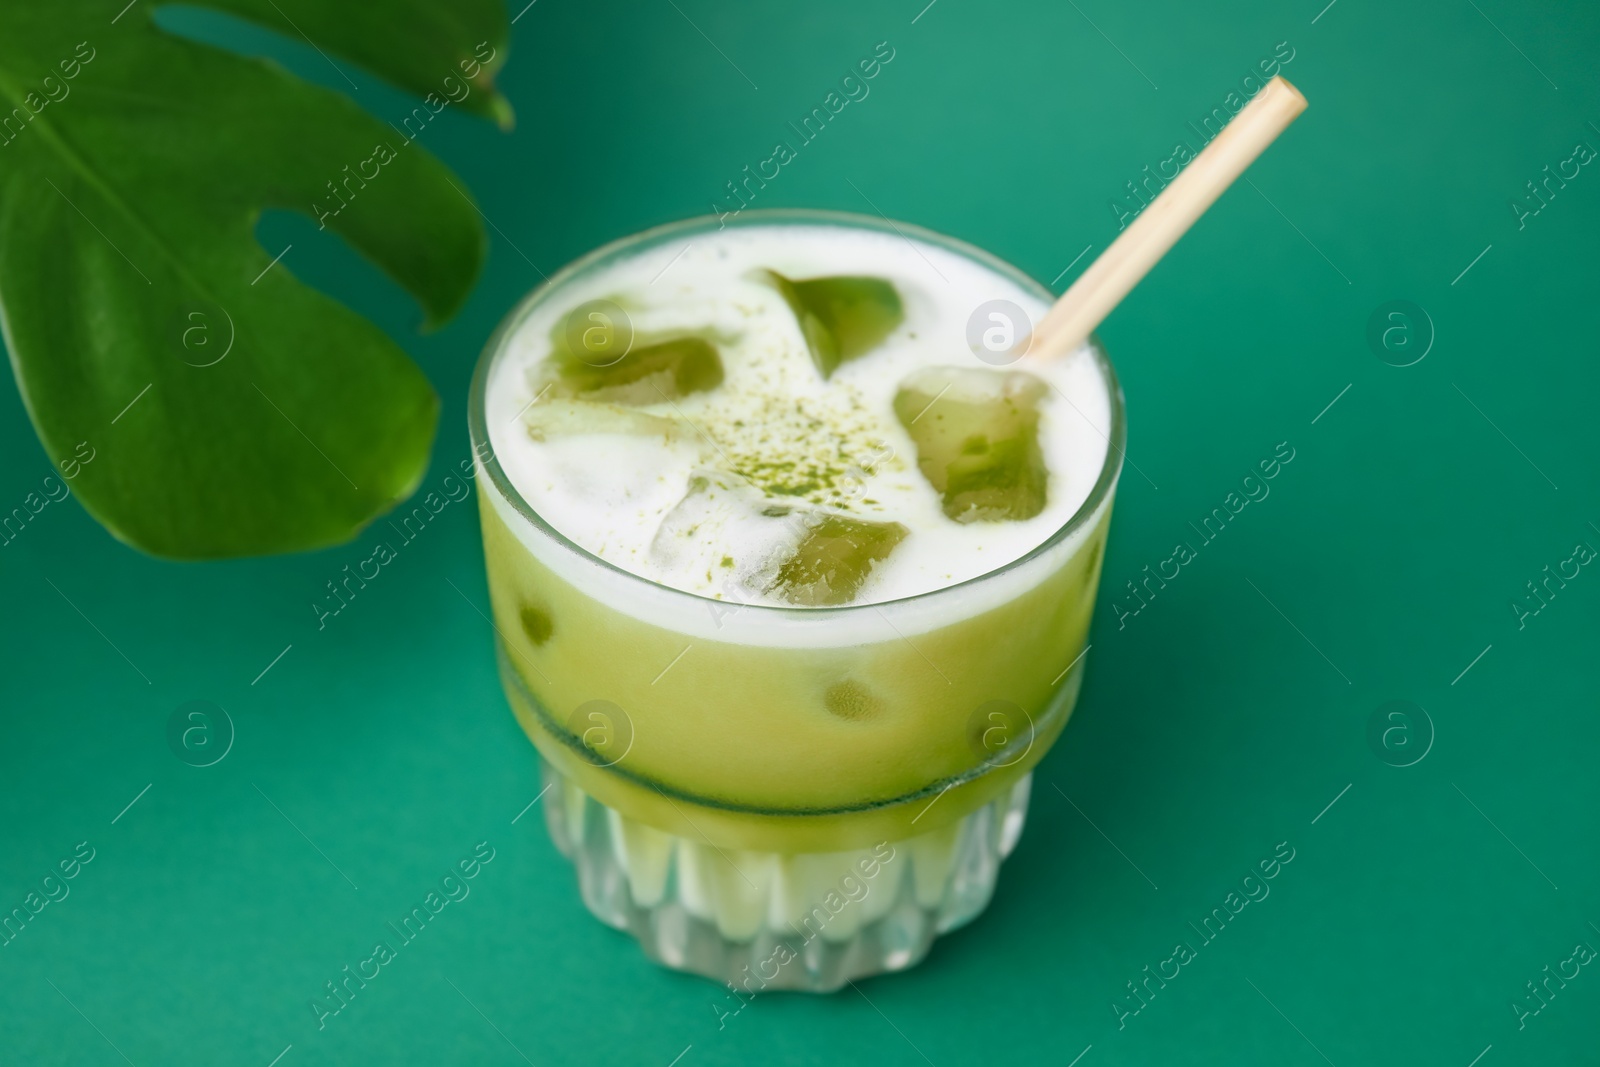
[[610, 492]]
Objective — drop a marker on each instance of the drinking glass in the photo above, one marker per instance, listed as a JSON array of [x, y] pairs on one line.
[[783, 797]]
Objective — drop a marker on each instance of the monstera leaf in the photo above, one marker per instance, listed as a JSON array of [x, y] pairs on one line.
[[228, 409]]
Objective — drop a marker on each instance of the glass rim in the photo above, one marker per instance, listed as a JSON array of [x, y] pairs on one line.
[[496, 347]]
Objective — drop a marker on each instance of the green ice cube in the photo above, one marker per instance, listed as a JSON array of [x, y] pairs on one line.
[[841, 317], [647, 374], [548, 419], [977, 438], [833, 559]]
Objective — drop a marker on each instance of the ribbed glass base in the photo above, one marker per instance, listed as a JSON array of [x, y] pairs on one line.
[[767, 920]]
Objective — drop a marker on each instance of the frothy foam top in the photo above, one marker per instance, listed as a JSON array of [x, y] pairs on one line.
[[774, 434]]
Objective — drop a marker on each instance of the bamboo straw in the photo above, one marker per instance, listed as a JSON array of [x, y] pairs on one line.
[[1120, 267]]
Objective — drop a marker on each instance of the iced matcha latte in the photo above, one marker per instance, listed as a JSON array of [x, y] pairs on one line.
[[793, 553]]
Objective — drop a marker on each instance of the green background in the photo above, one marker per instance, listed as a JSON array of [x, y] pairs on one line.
[[1220, 721]]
